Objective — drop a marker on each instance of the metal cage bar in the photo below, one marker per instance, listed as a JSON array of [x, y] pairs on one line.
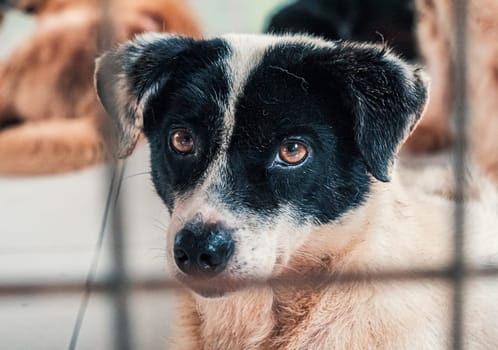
[[460, 110]]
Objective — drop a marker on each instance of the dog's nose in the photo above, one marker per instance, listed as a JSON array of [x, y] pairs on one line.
[[203, 251]]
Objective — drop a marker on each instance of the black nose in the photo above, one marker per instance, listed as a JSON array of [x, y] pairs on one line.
[[203, 251]]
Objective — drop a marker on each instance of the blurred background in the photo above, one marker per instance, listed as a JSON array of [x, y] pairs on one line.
[[216, 17]]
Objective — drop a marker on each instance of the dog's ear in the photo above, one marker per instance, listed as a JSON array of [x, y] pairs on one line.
[[127, 77], [387, 97]]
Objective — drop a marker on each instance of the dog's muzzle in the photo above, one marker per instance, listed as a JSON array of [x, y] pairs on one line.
[[203, 250]]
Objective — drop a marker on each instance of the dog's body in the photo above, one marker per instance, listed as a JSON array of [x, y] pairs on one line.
[[50, 119], [436, 32], [273, 155]]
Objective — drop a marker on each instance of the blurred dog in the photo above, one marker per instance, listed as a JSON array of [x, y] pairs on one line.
[[436, 35], [50, 119], [274, 156], [392, 21]]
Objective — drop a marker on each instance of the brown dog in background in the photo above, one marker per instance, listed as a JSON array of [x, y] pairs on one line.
[[50, 120], [436, 35]]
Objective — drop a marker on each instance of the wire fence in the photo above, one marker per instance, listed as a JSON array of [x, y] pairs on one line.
[[119, 285]]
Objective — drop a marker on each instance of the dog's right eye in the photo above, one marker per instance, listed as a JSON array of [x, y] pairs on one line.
[[181, 141], [292, 153]]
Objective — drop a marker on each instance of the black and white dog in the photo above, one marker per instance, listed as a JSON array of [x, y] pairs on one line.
[[274, 155]]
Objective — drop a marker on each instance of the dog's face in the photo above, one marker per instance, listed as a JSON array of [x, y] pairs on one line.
[[257, 140]]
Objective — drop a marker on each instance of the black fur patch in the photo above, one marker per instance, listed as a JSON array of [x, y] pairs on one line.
[[191, 97], [289, 97]]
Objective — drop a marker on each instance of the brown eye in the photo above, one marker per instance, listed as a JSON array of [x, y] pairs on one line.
[[293, 152], [182, 141]]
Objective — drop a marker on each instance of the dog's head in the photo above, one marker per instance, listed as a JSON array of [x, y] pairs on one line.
[[257, 140]]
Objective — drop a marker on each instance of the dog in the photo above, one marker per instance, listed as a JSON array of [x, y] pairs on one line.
[[436, 32], [275, 157], [50, 118], [372, 20]]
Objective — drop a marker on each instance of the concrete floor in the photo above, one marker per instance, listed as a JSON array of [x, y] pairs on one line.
[[49, 230]]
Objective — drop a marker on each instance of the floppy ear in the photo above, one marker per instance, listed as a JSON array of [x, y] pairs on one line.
[[387, 97], [127, 77]]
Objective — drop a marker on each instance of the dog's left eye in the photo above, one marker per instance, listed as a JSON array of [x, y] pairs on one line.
[[292, 153], [182, 141]]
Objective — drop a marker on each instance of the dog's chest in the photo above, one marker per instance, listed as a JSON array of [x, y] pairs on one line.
[[302, 318], [321, 319]]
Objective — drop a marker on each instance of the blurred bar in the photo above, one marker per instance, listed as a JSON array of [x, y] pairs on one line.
[[460, 110], [290, 280], [119, 284]]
